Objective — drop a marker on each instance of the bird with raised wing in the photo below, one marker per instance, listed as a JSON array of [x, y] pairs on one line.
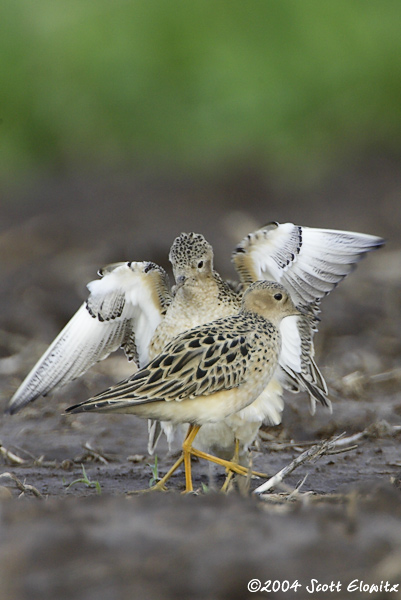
[[302, 258], [208, 373], [132, 306], [122, 311]]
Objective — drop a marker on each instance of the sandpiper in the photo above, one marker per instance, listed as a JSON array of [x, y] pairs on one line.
[[132, 306], [208, 373]]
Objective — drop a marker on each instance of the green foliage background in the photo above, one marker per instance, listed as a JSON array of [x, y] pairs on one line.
[[293, 84]]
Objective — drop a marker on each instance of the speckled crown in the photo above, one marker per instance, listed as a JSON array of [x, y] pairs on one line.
[[189, 244]]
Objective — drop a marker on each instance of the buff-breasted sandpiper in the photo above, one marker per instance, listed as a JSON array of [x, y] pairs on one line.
[[310, 263], [131, 306], [209, 372]]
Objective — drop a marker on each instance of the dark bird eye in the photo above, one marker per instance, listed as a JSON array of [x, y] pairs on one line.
[[200, 264], [278, 296]]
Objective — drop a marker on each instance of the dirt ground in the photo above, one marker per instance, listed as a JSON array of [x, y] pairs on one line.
[[61, 538]]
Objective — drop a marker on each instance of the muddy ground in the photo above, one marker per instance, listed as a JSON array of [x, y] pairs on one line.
[[61, 538]]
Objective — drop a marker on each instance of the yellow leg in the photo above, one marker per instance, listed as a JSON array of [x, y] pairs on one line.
[[160, 485], [249, 471], [187, 451], [235, 459], [228, 464], [184, 458]]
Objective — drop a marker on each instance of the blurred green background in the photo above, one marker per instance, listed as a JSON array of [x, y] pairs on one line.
[[295, 87]]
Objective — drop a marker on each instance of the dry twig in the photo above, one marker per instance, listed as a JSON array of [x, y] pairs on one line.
[[375, 430], [96, 454], [312, 454], [23, 487], [13, 458]]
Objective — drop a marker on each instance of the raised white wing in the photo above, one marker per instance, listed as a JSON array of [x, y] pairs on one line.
[[308, 262], [123, 310]]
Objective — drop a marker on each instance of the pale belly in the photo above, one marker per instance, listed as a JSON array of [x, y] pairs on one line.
[[243, 425], [202, 409]]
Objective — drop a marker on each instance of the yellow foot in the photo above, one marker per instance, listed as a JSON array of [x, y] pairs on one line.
[[160, 485], [228, 464], [230, 470], [184, 492], [227, 482]]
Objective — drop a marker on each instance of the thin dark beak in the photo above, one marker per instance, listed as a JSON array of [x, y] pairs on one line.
[[180, 280]]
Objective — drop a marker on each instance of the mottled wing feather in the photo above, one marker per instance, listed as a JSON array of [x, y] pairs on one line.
[[308, 262], [199, 363], [297, 368], [123, 310]]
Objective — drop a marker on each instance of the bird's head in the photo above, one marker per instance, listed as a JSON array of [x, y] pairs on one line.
[[270, 300], [191, 257]]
